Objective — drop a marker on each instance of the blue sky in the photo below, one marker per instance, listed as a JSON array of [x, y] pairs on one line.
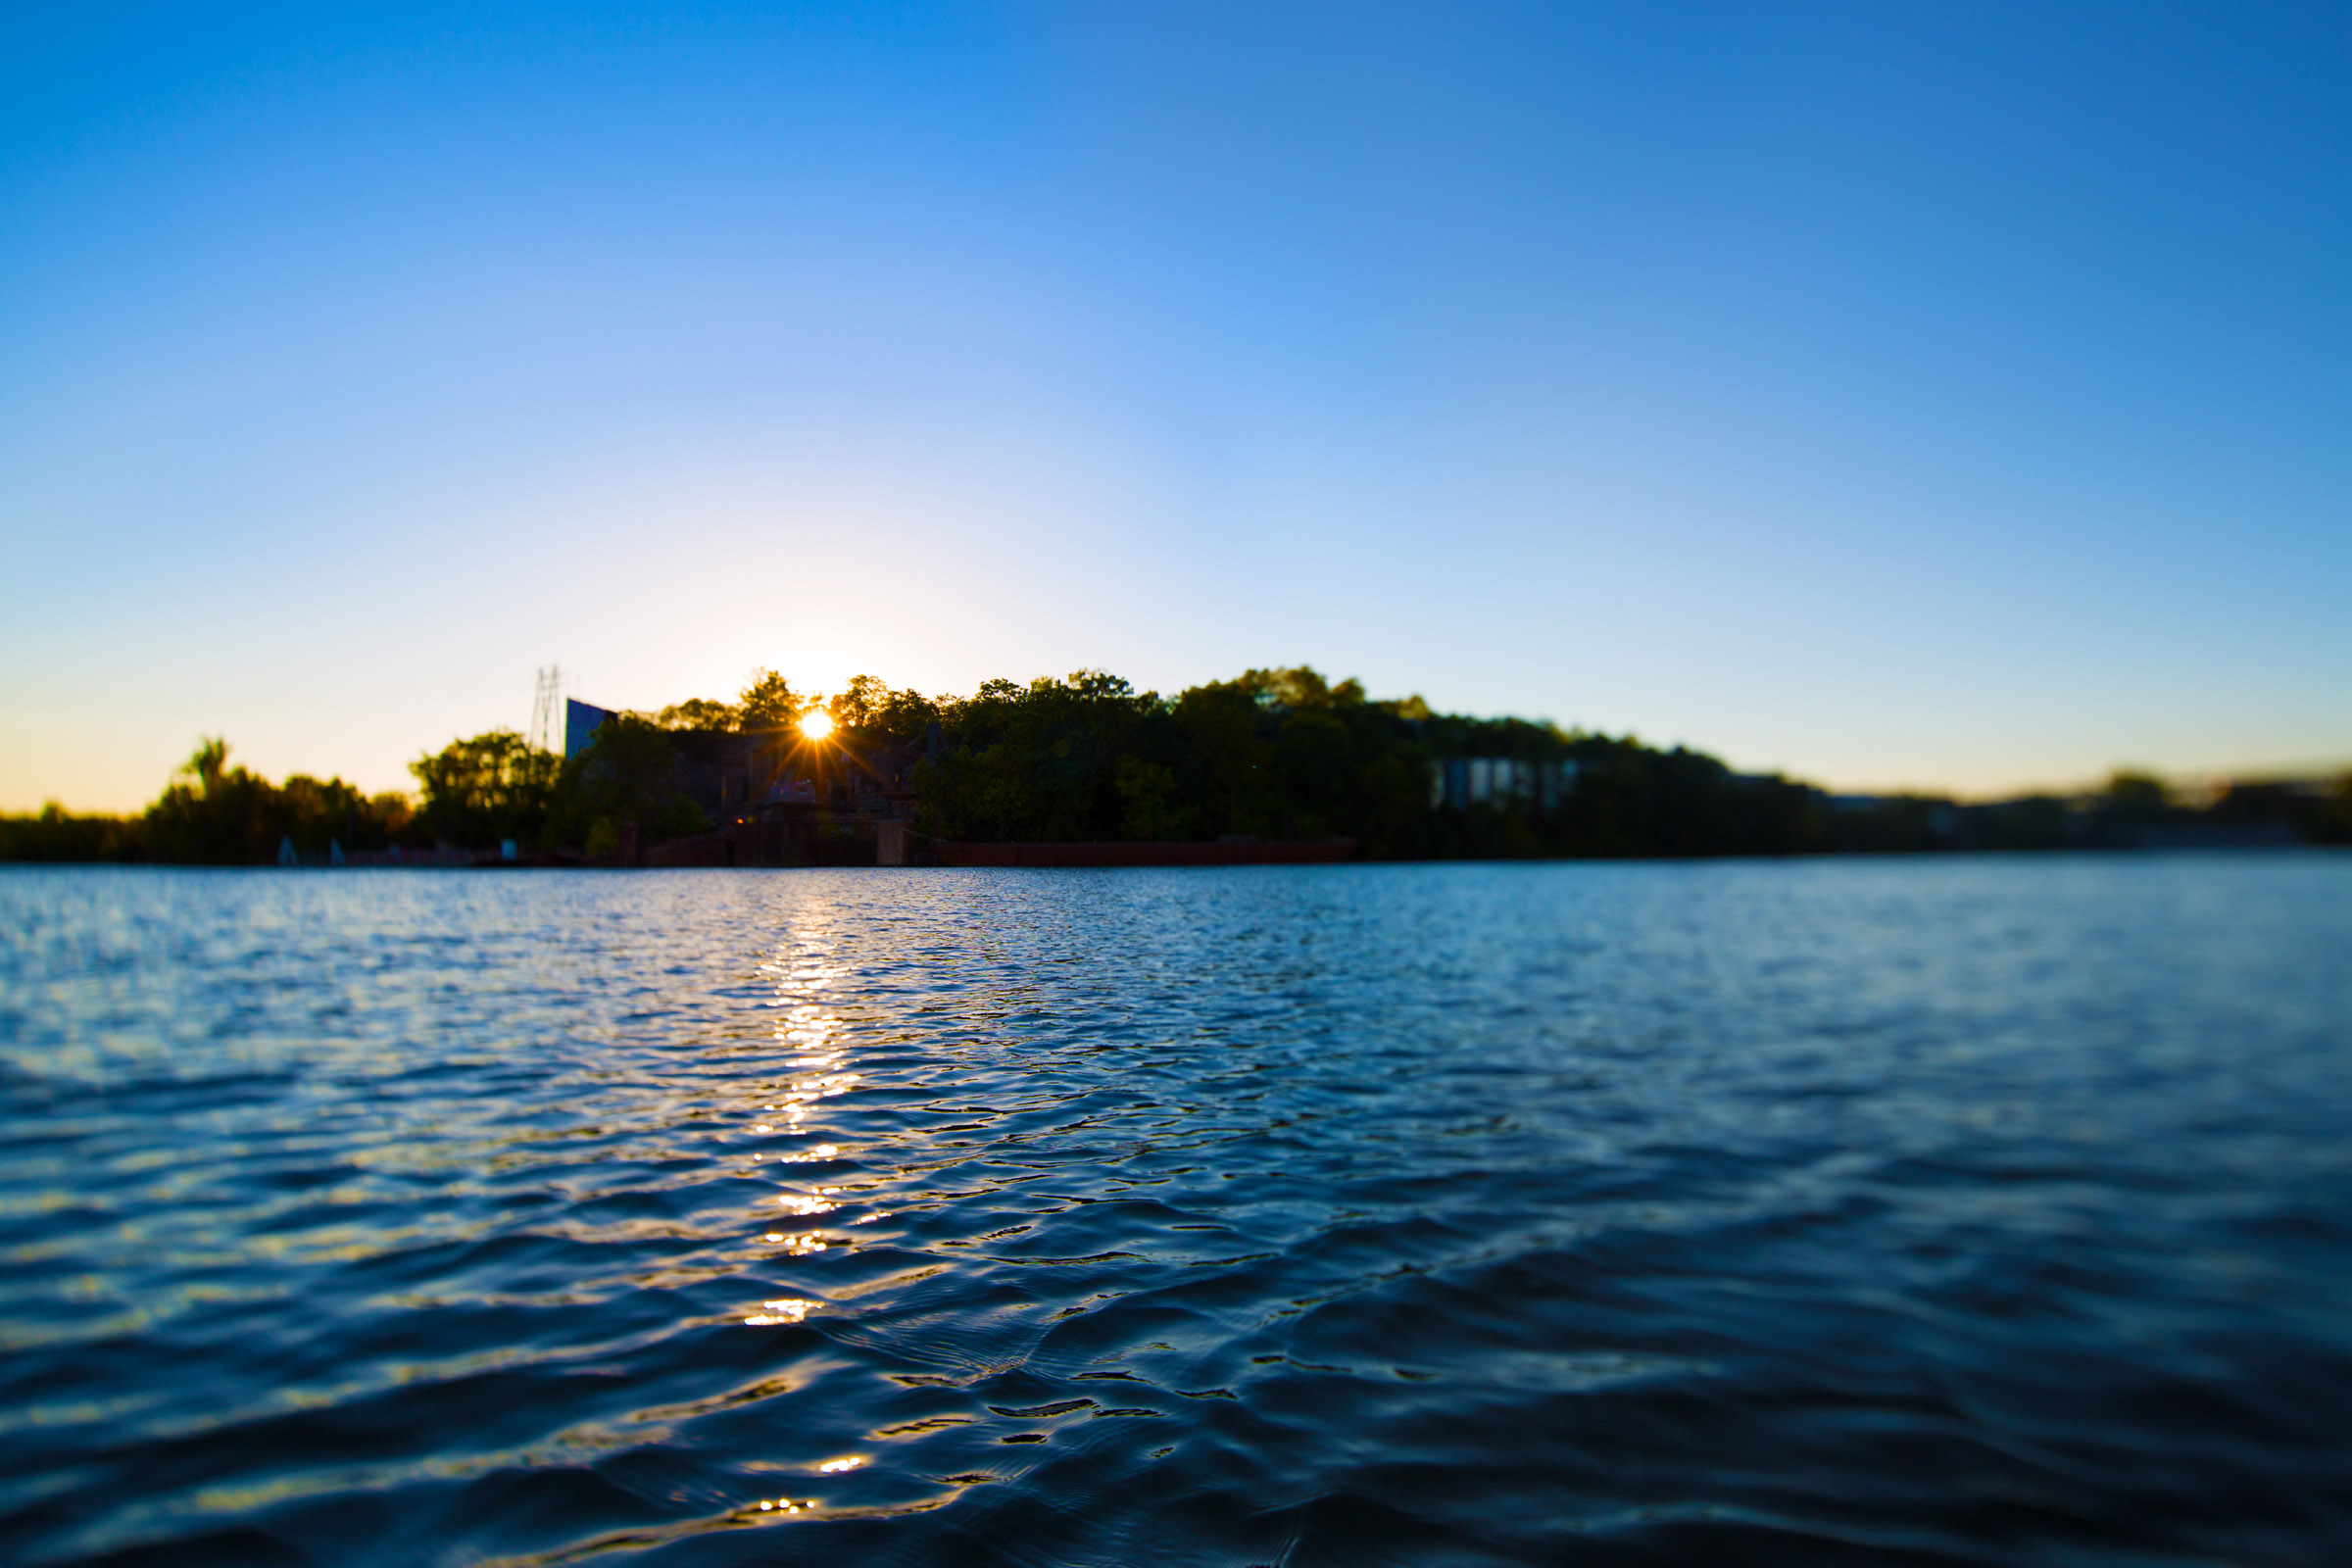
[[1895, 395]]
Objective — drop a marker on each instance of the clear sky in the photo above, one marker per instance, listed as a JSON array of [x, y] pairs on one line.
[[1893, 394]]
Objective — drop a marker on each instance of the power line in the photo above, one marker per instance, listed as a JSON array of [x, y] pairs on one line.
[[547, 712]]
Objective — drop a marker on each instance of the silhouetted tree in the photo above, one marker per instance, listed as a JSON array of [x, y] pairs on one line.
[[627, 775], [767, 701], [699, 712], [491, 787]]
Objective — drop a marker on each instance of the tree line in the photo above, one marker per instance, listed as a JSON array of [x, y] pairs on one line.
[[213, 813], [1272, 753]]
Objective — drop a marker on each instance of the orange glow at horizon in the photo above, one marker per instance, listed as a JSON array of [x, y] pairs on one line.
[[817, 725]]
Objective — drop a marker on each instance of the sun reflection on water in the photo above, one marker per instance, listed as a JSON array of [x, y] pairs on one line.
[[790, 1309], [811, 1028]]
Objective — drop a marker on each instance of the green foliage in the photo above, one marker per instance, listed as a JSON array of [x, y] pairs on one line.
[[859, 701], [2134, 795], [629, 774], [699, 712], [2321, 813], [2331, 816], [216, 815], [1276, 753], [492, 787], [1152, 806], [1038, 762], [767, 701], [57, 835], [872, 708], [1287, 753]]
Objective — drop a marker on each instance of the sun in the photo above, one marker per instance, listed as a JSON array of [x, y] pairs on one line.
[[817, 725]]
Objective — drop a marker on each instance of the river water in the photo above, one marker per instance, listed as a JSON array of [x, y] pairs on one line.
[[1965, 1211]]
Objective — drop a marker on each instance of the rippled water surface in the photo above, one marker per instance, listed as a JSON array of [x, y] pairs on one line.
[[1969, 1210]]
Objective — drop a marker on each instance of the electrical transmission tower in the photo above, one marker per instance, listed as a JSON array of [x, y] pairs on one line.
[[547, 712]]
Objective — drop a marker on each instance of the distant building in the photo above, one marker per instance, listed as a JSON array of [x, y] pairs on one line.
[[1505, 783], [581, 720]]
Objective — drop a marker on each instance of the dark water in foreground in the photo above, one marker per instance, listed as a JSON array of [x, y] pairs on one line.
[[1982, 1210]]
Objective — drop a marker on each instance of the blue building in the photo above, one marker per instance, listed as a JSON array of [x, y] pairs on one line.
[[581, 720]]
